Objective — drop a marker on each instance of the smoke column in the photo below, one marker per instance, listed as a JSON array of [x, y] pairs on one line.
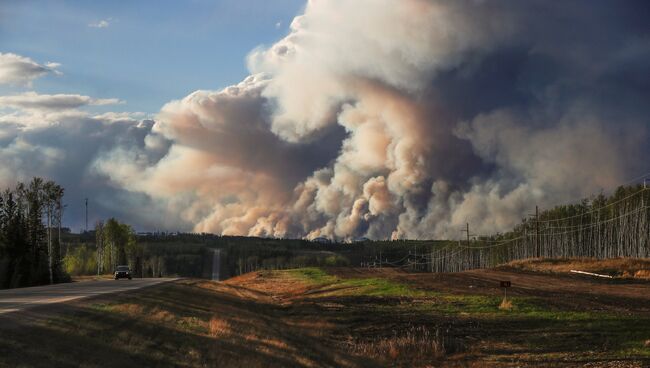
[[405, 119]]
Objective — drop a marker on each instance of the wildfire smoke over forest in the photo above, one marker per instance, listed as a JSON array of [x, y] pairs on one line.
[[374, 118]]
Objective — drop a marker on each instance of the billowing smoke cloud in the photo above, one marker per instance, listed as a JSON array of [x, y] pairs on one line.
[[400, 119]]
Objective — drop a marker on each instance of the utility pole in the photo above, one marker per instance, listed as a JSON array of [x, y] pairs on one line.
[[643, 194], [468, 250], [49, 239], [415, 256], [537, 250], [538, 245], [466, 230], [61, 208], [86, 214]]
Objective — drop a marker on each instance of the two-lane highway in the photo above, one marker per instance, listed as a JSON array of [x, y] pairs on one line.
[[13, 300]]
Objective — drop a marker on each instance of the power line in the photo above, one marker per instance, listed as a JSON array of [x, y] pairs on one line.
[[595, 210], [546, 231], [589, 226], [630, 181], [460, 248], [86, 214]]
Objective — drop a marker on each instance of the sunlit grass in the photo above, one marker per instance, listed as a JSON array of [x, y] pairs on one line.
[[380, 317], [443, 303], [563, 330], [310, 275], [336, 286]]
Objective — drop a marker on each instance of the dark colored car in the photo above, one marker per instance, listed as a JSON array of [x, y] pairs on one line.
[[123, 272]]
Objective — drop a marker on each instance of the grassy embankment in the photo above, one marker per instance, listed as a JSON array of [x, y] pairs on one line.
[[335, 317]]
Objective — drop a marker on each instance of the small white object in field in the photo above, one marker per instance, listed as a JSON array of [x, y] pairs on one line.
[[592, 274]]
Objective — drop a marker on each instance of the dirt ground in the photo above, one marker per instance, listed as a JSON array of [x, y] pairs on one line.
[[559, 293], [346, 317], [574, 292]]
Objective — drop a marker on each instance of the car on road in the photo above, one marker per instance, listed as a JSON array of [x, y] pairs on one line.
[[123, 272]]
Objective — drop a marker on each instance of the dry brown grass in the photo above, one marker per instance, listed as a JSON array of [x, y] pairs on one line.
[[416, 342], [158, 314], [505, 304], [620, 267], [129, 309], [279, 284], [219, 327], [642, 274], [262, 320], [313, 327]]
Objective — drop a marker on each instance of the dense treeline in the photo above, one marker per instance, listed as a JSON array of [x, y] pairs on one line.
[[114, 243], [241, 254], [601, 227], [98, 252], [173, 258], [30, 234], [31, 244], [246, 254], [184, 252]]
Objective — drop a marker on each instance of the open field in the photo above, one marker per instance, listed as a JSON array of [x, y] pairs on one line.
[[346, 317]]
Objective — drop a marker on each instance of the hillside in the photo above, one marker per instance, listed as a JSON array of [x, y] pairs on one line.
[[348, 317]]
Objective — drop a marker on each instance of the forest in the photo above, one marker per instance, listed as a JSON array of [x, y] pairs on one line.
[[183, 253], [603, 226], [35, 249], [30, 234], [190, 254], [112, 243]]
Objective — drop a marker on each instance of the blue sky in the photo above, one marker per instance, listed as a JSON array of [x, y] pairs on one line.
[[149, 53]]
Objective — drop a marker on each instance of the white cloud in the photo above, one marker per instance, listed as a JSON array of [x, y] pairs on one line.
[[35, 101], [104, 23], [123, 116], [21, 71]]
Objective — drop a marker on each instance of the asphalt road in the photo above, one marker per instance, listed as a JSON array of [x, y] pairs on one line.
[[13, 300]]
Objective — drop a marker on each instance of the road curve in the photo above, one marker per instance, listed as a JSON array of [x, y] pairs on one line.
[[14, 300]]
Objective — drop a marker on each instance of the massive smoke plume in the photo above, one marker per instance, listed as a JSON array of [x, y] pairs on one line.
[[401, 119]]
